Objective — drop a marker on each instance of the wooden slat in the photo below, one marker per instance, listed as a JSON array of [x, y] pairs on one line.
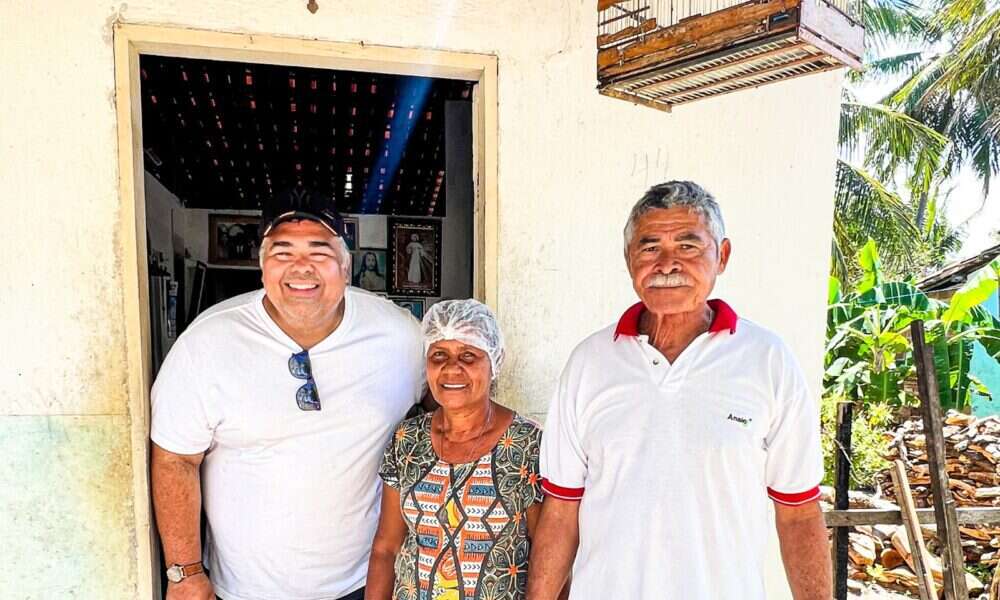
[[826, 47], [918, 550], [879, 516], [646, 26], [706, 46], [944, 503], [693, 31], [782, 80], [841, 541], [735, 79], [606, 4], [613, 93], [833, 25], [719, 67]]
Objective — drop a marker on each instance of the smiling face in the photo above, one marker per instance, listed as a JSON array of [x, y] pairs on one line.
[[458, 374], [674, 260], [304, 278]]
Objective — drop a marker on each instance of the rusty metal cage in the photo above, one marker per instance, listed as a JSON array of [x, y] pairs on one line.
[[664, 52]]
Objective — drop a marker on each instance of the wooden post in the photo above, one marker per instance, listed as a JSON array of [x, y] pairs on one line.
[[918, 550], [845, 418], [944, 503]]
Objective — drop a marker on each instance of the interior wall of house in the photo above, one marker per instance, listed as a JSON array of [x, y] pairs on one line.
[[175, 230], [571, 163]]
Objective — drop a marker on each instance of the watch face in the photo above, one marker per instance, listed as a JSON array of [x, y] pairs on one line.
[[174, 574]]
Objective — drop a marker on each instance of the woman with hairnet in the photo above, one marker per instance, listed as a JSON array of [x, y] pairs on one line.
[[462, 491]]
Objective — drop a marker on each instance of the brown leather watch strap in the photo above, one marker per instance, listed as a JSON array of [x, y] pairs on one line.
[[192, 569]]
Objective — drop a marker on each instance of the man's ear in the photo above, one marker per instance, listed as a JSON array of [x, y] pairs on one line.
[[725, 249]]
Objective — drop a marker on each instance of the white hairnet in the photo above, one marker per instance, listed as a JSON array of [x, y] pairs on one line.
[[468, 321]]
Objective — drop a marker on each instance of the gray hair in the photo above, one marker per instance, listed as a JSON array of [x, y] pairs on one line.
[[678, 193]]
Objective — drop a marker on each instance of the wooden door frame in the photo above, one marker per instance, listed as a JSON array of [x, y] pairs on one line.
[[132, 40]]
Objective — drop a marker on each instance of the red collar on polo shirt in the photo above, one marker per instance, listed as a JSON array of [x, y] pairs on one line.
[[725, 318]]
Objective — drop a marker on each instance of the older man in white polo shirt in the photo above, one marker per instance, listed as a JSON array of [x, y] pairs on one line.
[[272, 411], [670, 430]]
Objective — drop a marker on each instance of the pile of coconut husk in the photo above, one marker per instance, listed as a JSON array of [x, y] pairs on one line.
[[972, 455], [879, 554]]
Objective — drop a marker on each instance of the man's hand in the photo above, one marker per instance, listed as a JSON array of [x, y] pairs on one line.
[[553, 548], [177, 502], [805, 550], [196, 587]]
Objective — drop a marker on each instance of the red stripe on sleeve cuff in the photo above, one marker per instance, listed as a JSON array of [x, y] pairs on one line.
[[562, 493], [793, 499]]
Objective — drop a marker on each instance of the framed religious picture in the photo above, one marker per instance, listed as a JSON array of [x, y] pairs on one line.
[[414, 305], [414, 257], [368, 266], [232, 240], [351, 233]]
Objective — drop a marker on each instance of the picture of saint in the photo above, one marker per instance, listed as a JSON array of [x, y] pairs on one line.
[[415, 255], [369, 270], [418, 258]]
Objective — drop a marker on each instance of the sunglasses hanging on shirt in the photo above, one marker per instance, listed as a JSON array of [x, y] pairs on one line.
[[307, 396]]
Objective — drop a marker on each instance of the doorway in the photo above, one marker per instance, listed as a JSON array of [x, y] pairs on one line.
[[391, 153], [212, 124]]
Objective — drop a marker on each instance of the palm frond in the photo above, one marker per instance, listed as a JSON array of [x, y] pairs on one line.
[[865, 208], [889, 21], [893, 139], [889, 67]]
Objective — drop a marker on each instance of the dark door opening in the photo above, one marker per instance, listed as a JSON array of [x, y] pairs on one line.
[[393, 153]]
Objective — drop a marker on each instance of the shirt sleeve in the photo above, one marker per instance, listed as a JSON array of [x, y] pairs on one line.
[[534, 488], [183, 418], [419, 361], [563, 461], [388, 470], [794, 455]]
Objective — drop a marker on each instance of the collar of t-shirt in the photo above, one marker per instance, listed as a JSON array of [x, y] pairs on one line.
[[724, 317], [660, 369]]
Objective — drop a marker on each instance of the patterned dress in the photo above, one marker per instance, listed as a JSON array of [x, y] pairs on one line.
[[468, 526]]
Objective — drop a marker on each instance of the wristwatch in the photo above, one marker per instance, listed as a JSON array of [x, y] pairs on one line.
[[178, 573]]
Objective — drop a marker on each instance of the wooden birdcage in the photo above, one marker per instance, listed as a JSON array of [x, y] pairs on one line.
[[660, 53]]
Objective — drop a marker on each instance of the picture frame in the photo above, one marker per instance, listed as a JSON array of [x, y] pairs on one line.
[[414, 305], [233, 240], [351, 233], [368, 269], [415, 257]]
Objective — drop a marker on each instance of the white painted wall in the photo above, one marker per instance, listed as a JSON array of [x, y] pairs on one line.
[[571, 163]]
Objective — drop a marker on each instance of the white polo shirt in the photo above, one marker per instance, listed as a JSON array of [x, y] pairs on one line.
[[291, 496], [673, 463]]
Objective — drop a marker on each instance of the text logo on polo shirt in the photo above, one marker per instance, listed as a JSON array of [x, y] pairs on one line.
[[744, 421]]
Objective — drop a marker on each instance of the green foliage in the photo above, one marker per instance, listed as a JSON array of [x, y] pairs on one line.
[[869, 353], [869, 443]]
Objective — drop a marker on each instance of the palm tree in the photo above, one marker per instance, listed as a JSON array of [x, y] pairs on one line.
[[876, 144], [897, 154], [957, 92]]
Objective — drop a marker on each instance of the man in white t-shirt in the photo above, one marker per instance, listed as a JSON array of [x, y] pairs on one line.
[[670, 430], [271, 412]]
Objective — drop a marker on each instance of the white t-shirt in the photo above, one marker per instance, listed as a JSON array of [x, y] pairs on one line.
[[673, 464], [291, 496]]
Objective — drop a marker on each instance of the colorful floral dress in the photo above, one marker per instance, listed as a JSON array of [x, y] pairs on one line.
[[468, 526]]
